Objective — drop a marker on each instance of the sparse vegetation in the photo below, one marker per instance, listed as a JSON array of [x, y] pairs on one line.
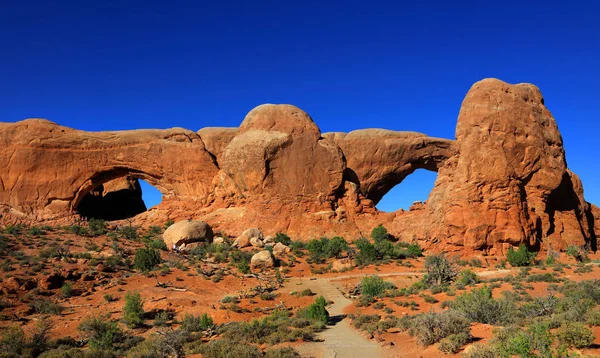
[[521, 257], [146, 259]]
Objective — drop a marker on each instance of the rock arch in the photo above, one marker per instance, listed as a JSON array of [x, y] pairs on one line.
[[379, 159]]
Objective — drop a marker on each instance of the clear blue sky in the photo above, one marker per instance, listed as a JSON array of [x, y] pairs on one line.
[[349, 64]]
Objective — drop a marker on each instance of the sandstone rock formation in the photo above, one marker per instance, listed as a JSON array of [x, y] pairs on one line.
[[503, 181], [186, 233]]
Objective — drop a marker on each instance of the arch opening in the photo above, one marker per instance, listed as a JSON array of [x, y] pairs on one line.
[[116, 198], [415, 187]]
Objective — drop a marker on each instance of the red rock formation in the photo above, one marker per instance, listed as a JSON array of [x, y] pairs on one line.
[[503, 181], [508, 183]]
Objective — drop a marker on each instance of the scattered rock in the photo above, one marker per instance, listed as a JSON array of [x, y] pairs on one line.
[[279, 250], [256, 242], [218, 240], [341, 265], [269, 240], [244, 239]]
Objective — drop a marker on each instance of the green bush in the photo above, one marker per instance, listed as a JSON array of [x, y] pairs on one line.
[[379, 233], [129, 232], [146, 259], [366, 252], [287, 352], [227, 348], [467, 278], [192, 323], [317, 311], [66, 290], [439, 270], [324, 248], [453, 343], [480, 306], [101, 333], [521, 257], [430, 328], [574, 334], [13, 341], [97, 227], [133, 311], [374, 286], [283, 238], [45, 306], [158, 244]]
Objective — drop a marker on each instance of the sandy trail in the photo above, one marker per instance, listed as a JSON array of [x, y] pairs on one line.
[[340, 339]]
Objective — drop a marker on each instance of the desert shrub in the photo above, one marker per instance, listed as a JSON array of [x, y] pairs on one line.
[[100, 332], [45, 306], [480, 306], [380, 233], [542, 277], [283, 238], [336, 247], [287, 352], [133, 310], [158, 244], [574, 334], [367, 254], [97, 227], [317, 311], [146, 259], [365, 301], [156, 347], [453, 343], [540, 306], [374, 286], [481, 351], [67, 289], [226, 348], [467, 278], [129, 232], [324, 248], [439, 270], [430, 328], [384, 249], [13, 341], [521, 257], [35, 231], [192, 323], [160, 319], [78, 230], [414, 250], [267, 296], [14, 229], [230, 299]]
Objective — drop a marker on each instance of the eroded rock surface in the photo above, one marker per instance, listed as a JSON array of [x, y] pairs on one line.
[[503, 181]]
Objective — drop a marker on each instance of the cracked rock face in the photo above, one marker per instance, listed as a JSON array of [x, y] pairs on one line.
[[503, 181]]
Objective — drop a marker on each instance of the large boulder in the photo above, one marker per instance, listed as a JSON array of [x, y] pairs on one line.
[[262, 260], [187, 232]]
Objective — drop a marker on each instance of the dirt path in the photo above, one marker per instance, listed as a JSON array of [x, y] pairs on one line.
[[339, 339]]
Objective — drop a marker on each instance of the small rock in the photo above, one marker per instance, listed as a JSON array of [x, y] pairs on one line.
[[280, 249], [218, 240], [244, 239], [256, 242]]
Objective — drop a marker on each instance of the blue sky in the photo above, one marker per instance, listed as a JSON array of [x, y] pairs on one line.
[[350, 65]]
